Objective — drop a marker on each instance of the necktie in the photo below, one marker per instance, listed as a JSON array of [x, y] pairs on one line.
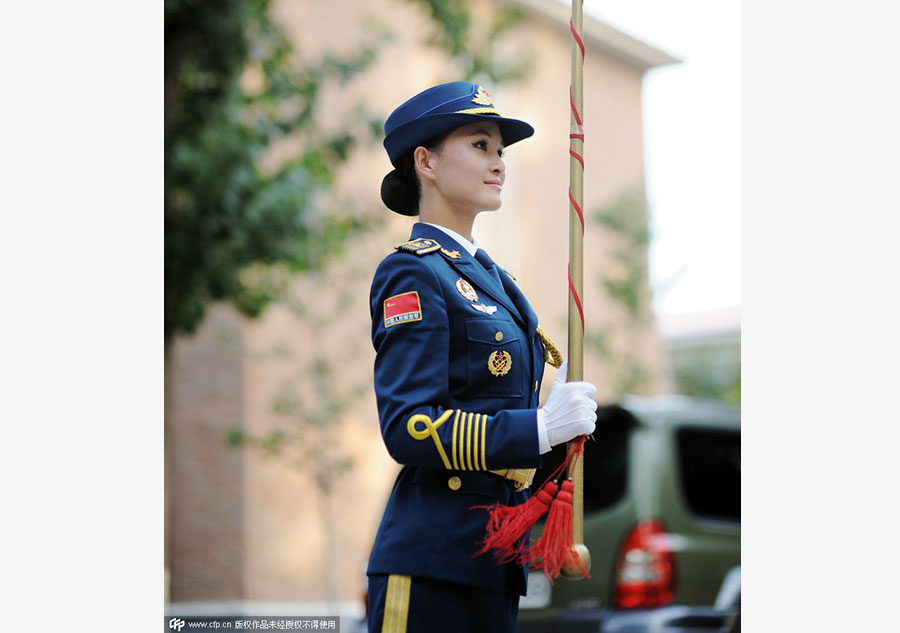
[[521, 307], [485, 260]]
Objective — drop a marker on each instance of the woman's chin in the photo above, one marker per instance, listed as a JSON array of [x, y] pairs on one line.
[[493, 205]]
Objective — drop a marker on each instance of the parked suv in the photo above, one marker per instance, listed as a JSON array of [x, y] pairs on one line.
[[662, 521]]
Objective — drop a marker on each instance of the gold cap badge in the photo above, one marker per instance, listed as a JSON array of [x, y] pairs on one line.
[[483, 100], [482, 97]]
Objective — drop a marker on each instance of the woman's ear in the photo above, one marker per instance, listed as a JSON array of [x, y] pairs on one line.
[[423, 159]]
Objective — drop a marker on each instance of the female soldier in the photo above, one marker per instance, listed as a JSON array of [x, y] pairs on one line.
[[457, 374]]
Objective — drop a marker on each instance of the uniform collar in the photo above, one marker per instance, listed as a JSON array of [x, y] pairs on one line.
[[470, 247], [466, 265]]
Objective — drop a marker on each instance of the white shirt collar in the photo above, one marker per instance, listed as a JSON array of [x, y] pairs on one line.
[[470, 247]]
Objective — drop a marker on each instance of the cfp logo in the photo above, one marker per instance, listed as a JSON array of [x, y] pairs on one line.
[[176, 623]]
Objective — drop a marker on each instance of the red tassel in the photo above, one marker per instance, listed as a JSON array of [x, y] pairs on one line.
[[507, 524], [555, 548]]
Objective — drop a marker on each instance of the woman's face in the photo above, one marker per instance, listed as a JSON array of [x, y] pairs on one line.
[[468, 168]]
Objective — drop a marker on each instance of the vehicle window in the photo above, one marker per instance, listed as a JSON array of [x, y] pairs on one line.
[[710, 471], [606, 459]]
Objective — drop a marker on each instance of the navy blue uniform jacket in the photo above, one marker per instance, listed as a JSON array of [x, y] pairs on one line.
[[457, 376]]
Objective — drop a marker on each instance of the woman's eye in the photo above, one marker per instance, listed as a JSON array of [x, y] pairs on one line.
[[483, 145]]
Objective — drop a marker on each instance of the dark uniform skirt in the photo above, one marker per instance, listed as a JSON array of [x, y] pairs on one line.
[[406, 604]]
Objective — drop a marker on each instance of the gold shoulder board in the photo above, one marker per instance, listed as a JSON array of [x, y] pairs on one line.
[[420, 246]]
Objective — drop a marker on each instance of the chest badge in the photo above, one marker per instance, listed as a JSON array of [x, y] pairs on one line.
[[489, 310], [499, 363], [466, 290]]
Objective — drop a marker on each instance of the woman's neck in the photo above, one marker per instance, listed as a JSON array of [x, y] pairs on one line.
[[445, 216]]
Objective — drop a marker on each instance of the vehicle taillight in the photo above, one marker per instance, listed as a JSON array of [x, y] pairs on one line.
[[645, 575]]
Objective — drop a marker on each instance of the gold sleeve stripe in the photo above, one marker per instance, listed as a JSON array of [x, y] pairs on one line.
[[458, 439], [462, 440], [483, 429], [475, 441], [396, 604], [455, 427], [468, 438], [467, 460], [481, 440], [469, 441]]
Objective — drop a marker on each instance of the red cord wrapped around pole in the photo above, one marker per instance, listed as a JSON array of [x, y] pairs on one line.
[[560, 548], [570, 555]]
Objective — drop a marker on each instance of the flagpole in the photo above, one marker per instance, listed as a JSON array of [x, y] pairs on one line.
[[576, 252]]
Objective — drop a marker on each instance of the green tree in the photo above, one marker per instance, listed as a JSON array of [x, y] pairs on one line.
[[237, 223], [472, 47], [232, 88], [625, 221], [710, 371]]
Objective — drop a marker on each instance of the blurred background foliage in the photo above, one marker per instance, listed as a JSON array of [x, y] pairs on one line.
[[625, 283], [234, 229], [703, 373], [473, 47], [700, 369], [232, 88]]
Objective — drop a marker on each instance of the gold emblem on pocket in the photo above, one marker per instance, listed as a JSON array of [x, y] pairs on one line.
[[466, 290], [499, 363]]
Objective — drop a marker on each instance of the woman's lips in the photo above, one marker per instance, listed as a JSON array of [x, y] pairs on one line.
[[494, 183]]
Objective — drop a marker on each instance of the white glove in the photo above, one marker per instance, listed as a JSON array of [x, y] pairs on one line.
[[570, 411]]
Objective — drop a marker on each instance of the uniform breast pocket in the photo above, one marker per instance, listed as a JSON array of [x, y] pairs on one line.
[[495, 360]]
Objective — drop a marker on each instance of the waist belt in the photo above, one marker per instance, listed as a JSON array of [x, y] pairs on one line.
[[522, 476]]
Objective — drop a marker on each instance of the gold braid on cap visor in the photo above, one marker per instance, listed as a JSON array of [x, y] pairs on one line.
[[478, 111]]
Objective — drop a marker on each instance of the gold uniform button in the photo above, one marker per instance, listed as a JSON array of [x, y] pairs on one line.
[[454, 483], [498, 336], [535, 386]]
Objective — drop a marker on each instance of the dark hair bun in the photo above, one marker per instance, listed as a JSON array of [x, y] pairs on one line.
[[400, 193]]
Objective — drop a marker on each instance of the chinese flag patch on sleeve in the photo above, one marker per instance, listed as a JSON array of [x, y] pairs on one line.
[[402, 308]]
